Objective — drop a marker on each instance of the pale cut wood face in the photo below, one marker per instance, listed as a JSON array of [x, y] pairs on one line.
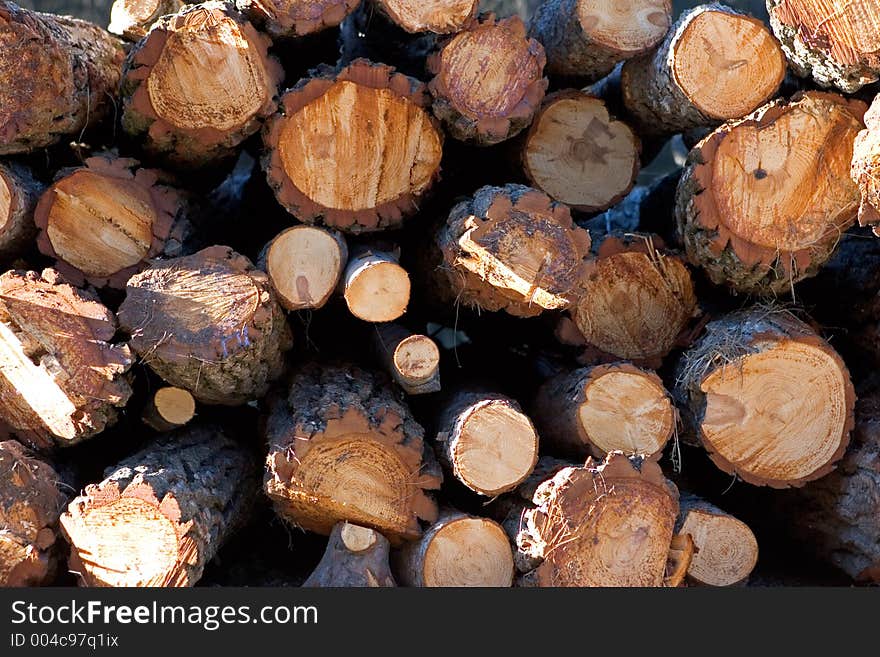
[[304, 264], [377, 291], [727, 550], [5, 203], [440, 16], [848, 31], [469, 552], [175, 405], [417, 358], [134, 11], [625, 25]]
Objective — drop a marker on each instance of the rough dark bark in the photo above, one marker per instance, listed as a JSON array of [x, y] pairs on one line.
[[356, 557], [19, 191]]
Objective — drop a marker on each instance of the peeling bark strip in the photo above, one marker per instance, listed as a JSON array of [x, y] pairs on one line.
[[61, 377], [198, 85], [836, 43], [159, 516], [58, 76], [763, 201], [488, 81], [715, 64], [295, 18], [30, 504], [769, 399], [343, 448], [376, 288], [585, 39], [413, 360], [19, 191], [514, 249], [437, 16], [354, 149], [865, 170], [208, 323], [356, 557], [103, 221], [132, 19]]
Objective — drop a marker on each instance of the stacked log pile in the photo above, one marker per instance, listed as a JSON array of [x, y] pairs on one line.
[[401, 275]]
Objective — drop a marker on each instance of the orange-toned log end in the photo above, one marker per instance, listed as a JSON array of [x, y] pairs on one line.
[[198, 85], [635, 300], [514, 249], [771, 401], [605, 524], [342, 447], [865, 170], [607, 408], [169, 408], [356, 557], [354, 150], [103, 221], [30, 505], [19, 191], [296, 18], [208, 323], [132, 19], [437, 16], [459, 550], [413, 360], [763, 201], [578, 154], [376, 288], [62, 378], [488, 81]]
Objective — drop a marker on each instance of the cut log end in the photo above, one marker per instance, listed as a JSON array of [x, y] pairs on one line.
[[296, 18], [5, 204], [377, 288], [416, 360], [629, 27], [132, 19], [169, 409], [356, 538], [727, 550], [437, 16]]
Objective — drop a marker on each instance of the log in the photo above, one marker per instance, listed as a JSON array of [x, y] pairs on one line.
[[727, 550], [169, 408], [208, 323], [436, 16], [486, 442], [606, 408], [285, 19], [355, 149], [762, 201], [412, 359], [835, 43], [198, 85], [342, 447], [102, 222], [513, 249], [768, 398], [585, 39], [77, 66], [160, 515], [31, 502], [865, 171], [578, 154], [488, 81], [132, 19], [715, 64], [62, 378], [356, 557], [305, 265], [19, 191], [458, 550], [375, 287], [635, 301]]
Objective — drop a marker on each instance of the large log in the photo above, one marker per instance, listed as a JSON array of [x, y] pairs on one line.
[[437, 16], [355, 557], [296, 18], [132, 19], [19, 191], [160, 515]]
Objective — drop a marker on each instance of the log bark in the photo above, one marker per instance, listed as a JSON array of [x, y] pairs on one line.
[[375, 287], [767, 397], [458, 550], [585, 39], [488, 81], [437, 16], [132, 19], [19, 191], [198, 85], [865, 171], [606, 408], [169, 408], [353, 149], [285, 19], [61, 376], [102, 222], [31, 502], [715, 64], [356, 557], [342, 447], [763, 201], [412, 359], [208, 323], [160, 515], [511, 248], [578, 154], [58, 77]]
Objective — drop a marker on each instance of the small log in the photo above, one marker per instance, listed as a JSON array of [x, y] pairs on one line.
[[198, 85], [488, 81], [103, 221], [354, 149], [585, 39], [865, 170], [343, 448], [762, 201], [767, 397], [578, 154], [413, 360], [715, 64], [514, 249], [486, 442], [61, 376], [160, 515], [436, 16], [356, 557], [458, 550], [376, 288], [607, 408], [169, 408], [208, 323], [305, 265], [30, 504], [132, 19], [19, 191], [296, 18], [58, 77]]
